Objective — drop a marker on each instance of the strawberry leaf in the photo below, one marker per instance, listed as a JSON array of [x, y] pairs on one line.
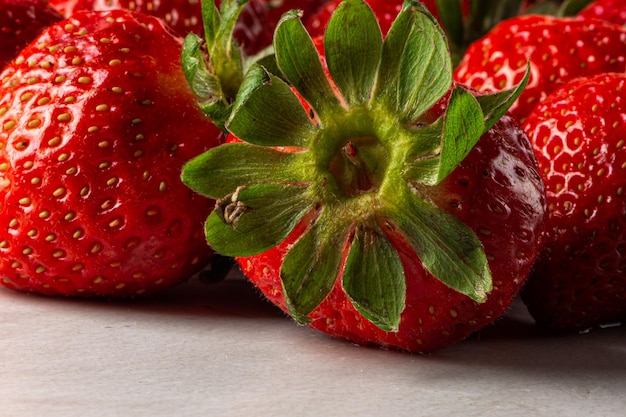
[[416, 68], [255, 219], [298, 60], [374, 278], [425, 67], [354, 55], [448, 249], [204, 83], [287, 125], [224, 168], [388, 73], [215, 68], [311, 266], [463, 127]]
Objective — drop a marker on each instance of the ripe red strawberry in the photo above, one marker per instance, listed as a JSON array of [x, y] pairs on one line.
[[342, 198], [613, 11], [96, 121], [464, 20], [559, 49], [578, 135], [20, 22], [254, 29]]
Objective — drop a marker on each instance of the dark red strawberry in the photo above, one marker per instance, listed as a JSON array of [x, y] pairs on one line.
[[558, 49], [20, 22], [463, 20], [613, 11], [254, 29], [96, 121], [578, 135], [387, 205]]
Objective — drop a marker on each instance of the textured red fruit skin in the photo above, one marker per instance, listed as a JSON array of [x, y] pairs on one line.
[[498, 193], [559, 49], [20, 22], [613, 11], [254, 30], [578, 134], [95, 126]]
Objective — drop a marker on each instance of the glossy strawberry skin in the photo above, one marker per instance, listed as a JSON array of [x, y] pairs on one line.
[[613, 11], [254, 29], [20, 22], [578, 135], [498, 193], [558, 49], [95, 126]]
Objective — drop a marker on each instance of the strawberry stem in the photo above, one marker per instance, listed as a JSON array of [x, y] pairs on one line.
[[214, 66]]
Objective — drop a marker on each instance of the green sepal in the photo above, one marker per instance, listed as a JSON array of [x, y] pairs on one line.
[[495, 105], [269, 214], [298, 60], [416, 68], [374, 278], [447, 248], [311, 267], [388, 72], [204, 83], [222, 169], [449, 140], [425, 68], [286, 125], [215, 68], [463, 127], [353, 42]]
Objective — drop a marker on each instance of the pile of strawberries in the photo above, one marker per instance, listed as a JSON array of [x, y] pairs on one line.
[[388, 172]]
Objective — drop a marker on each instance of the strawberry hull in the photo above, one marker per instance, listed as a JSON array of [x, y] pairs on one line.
[[482, 193]]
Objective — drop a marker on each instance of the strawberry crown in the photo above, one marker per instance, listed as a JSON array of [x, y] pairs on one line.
[[354, 161]]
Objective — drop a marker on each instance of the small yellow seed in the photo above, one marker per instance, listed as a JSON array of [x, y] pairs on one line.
[[64, 117]]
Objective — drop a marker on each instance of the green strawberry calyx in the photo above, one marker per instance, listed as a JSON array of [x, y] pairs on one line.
[[214, 66], [354, 162]]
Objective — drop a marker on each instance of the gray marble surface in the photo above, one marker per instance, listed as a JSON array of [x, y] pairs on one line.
[[221, 350]]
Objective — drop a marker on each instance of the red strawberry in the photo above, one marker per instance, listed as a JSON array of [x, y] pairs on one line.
[[613, 11], [344, 203], [254, 30], [578, 135], [20, 22], [96, 121], [464, 20], [559, 49]]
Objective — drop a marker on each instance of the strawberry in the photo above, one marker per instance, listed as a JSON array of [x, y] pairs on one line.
[[559, 49], [96, 121], [613, 11], [20, 22], [254, 30], [578, 135], [464, 20], [374, 199]]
